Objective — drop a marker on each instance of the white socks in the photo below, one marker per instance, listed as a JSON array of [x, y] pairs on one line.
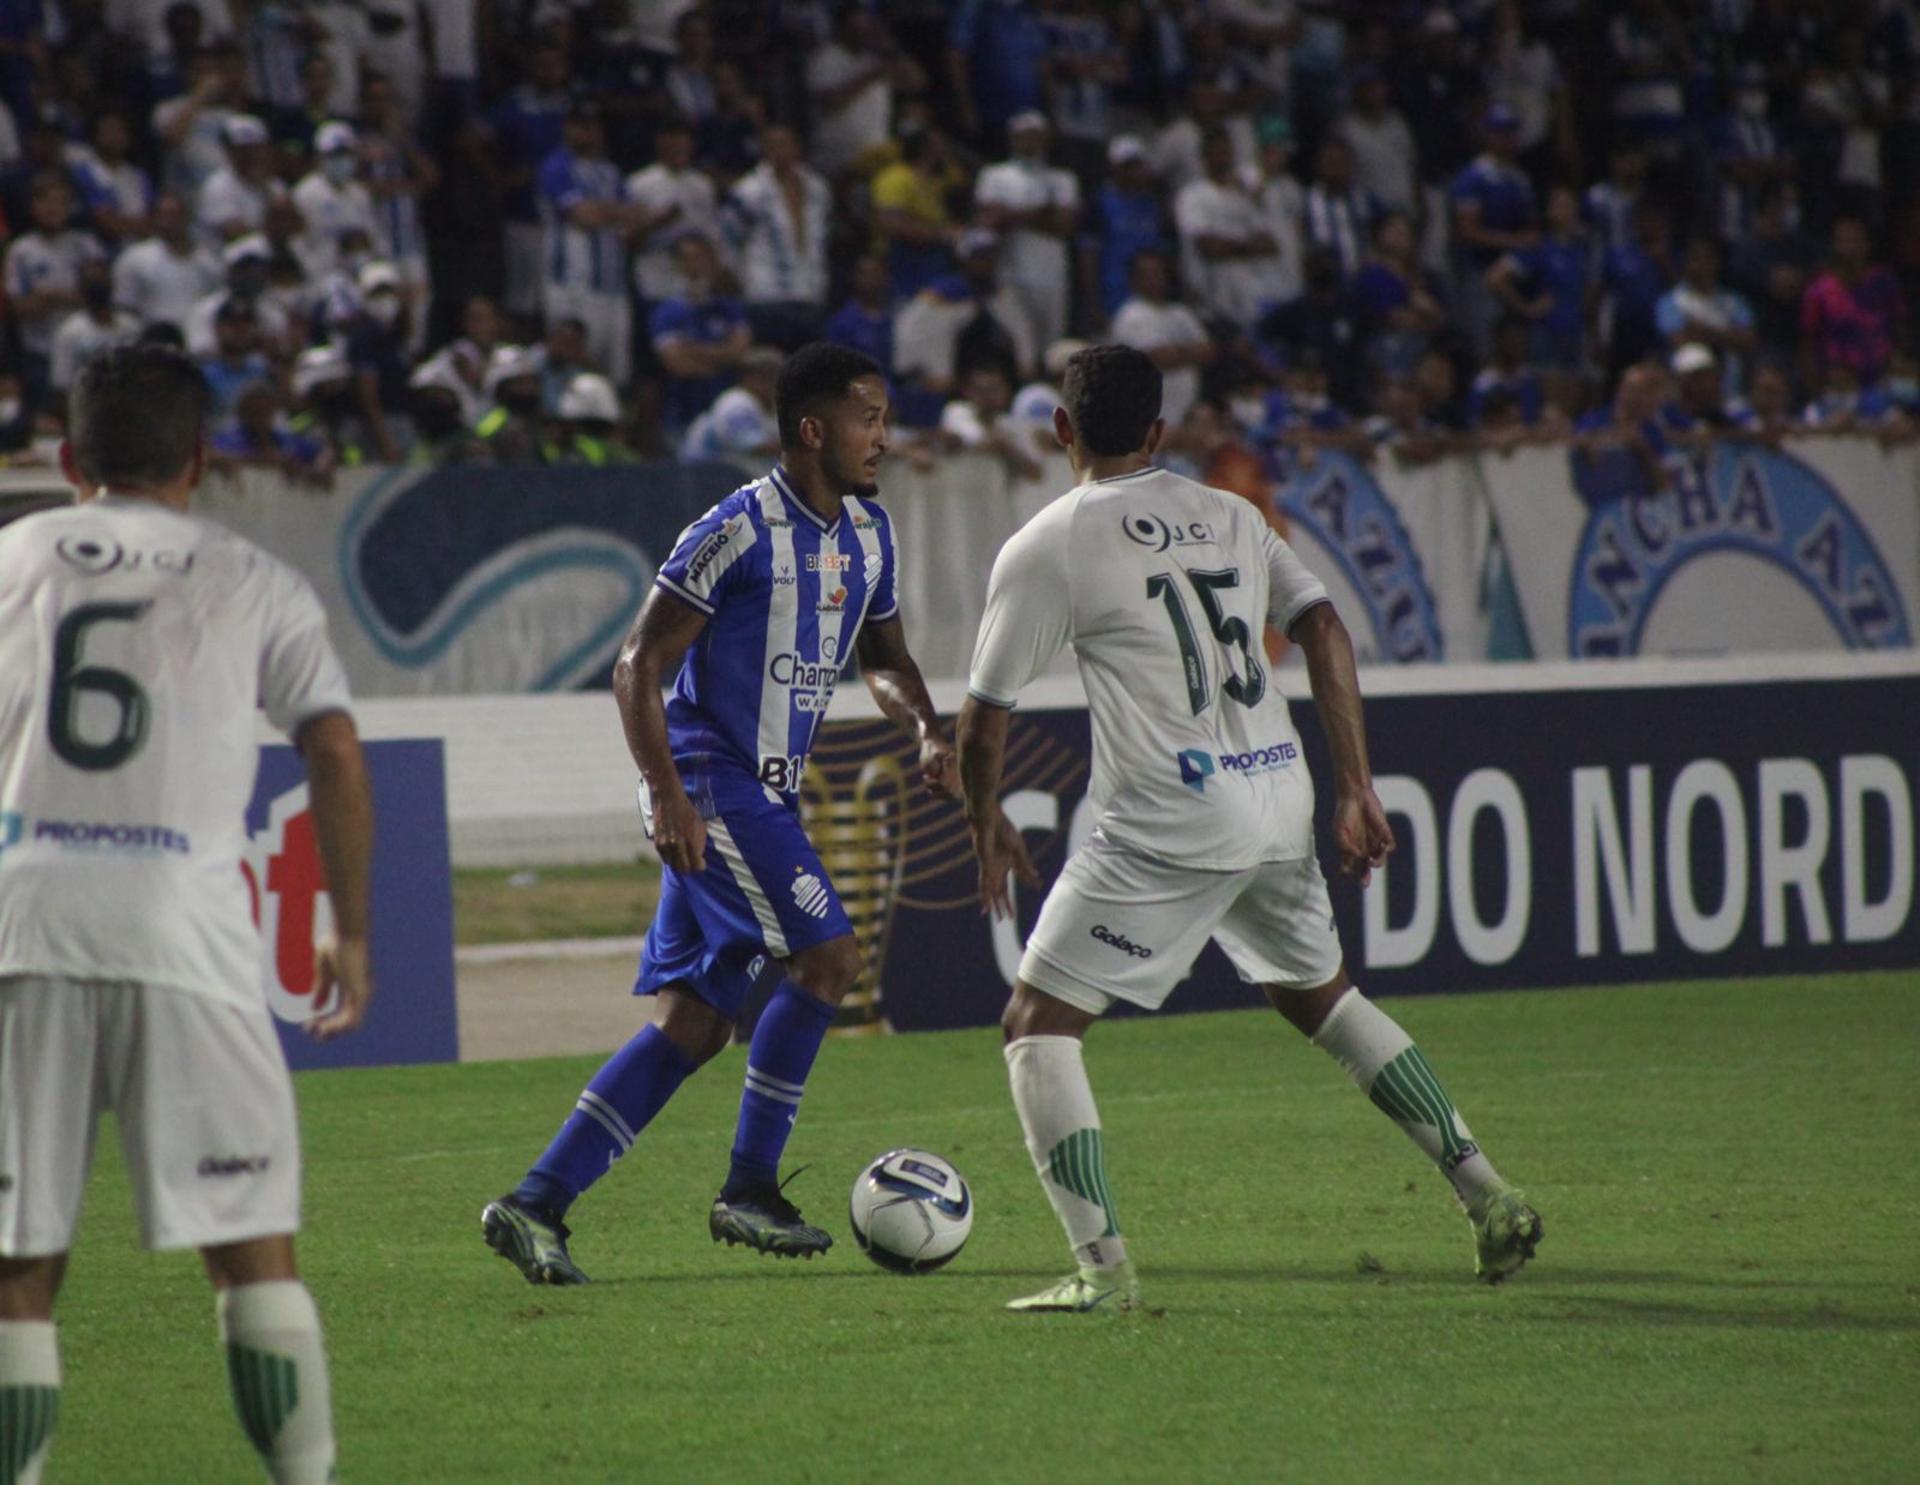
[[1382, 1059], [1062, 1126], [278, 1369], [29, 1398]]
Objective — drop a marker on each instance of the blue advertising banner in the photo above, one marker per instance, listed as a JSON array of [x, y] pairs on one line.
[[1546, 838], [413, 1014]]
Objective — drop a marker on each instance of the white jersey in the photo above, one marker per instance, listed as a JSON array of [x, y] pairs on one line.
[[1163, 586], [136, 643]]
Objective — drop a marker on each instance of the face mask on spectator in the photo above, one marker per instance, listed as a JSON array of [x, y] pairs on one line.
[[338, 168]]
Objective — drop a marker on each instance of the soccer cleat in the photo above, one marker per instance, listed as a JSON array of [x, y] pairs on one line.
[[766, 1221], [1505, 1232], [532, 1243], [1108, 1290]]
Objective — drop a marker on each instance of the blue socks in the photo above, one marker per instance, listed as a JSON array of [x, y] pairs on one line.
[[784, 1045], [621, 1100]]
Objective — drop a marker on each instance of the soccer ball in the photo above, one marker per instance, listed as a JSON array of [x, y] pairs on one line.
[[910, 1211]]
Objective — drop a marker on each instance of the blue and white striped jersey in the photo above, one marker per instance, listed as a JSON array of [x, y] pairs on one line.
[[785, 594]]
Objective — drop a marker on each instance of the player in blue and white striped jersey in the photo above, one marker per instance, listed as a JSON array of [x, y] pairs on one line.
[[760, 605]]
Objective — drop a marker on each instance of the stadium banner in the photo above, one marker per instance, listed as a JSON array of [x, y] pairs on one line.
[[412, 1018], [1577, 835], [1811, 546]]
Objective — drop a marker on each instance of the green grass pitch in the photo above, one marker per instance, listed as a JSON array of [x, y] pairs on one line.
[[1729, 1289]]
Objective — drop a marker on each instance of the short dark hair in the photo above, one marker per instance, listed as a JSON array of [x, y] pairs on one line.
[[1112, 396], [136, 415], [816, 373]]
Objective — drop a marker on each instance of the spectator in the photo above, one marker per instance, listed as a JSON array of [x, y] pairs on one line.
[[1853, 313], [294, 127], [1845, 103], [246, 261], [1648, 53], [326, 405], [731, 137], [398, 176], [1283, 208], [977, 422], [1524, 76], [865, 322], [584, 206], [1327, 324], [1386, 161], [461, 366], [1766, 413], [1551, 284], [233, 201], [780, 215], [851, 82], [191, 128], [1030, 414], [740, 425], [1700, 311], [1438, 385], [331, 199], [1402, 428], [1170, 334], [672, 200], [1751, 156], [441, 434], [1339, 214], [698, 336], [117, 194], [1180, 148], [1034, 208], [996, 63], [1844, 404], [1493, 214], [965, 319], [1611, 203], [256, 438], [512, 432], [911, 222], [690, 83], [1699, 407], [1128, 219], [1770, 263], [160, 279], [1086, 65], [373, 332], [1633, 278], [235, 361], [43, 271], [1620, 452], [588, 414], [44, 152], [92, 328], [1507, 375], [1228, 256], [563, 358], [1401, 309], [526, 127]]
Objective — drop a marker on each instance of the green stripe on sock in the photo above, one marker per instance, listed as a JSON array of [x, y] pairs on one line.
[[27, 1418], [266, 1390], [1406, 1090], [1079, 1164]]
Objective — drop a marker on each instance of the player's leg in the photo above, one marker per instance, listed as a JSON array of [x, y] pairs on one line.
[[1280, 935], [276, 1357], [777, 881], [50, 1095], [1115, 926], [29, 1365], [527, 1226], [211, 1139]]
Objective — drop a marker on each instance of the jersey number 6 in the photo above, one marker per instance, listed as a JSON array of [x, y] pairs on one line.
[[1231, 632], [72, 680]]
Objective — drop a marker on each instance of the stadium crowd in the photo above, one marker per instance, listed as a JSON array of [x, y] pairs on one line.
[[570, 231]]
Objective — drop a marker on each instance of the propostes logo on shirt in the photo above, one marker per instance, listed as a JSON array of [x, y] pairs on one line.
[[11, 826]]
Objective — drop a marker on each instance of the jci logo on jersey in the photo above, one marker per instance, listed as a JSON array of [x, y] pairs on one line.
[[290, 903], [1157, 535]]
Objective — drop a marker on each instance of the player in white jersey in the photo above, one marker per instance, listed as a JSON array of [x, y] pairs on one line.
[[136, 643], [1163, 588]]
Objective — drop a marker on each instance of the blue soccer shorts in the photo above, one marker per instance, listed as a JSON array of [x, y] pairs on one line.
[[763, 892]]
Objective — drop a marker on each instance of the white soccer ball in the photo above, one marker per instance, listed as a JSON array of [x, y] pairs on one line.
[[911, 1211]]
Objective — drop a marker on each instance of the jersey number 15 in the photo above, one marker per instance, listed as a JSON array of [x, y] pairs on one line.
[[1233, 633]]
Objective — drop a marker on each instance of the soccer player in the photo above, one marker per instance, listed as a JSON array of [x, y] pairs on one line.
[[753, 616], [1163, 588], [136, 642]]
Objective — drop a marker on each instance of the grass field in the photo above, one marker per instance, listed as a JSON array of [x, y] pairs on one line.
[[1728, 1291], [496, 906]]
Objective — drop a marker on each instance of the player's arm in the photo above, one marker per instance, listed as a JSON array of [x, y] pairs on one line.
[[893, 676], [1360, 829], [661, 636], [982, 736], [342, 803]]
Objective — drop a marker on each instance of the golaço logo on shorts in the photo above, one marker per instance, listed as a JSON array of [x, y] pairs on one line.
[[1119, 941]]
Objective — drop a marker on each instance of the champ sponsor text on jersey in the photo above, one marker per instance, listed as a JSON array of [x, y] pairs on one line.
[[1163, 587], [785, 592]]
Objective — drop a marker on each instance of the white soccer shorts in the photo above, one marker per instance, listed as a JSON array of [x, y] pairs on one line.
[[1119, 925], [203, 1099]]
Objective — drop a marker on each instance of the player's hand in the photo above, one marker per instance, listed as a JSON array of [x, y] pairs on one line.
[[938, 768], [1002, 853], [343, 985], [679, 834], [1361, 833]]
